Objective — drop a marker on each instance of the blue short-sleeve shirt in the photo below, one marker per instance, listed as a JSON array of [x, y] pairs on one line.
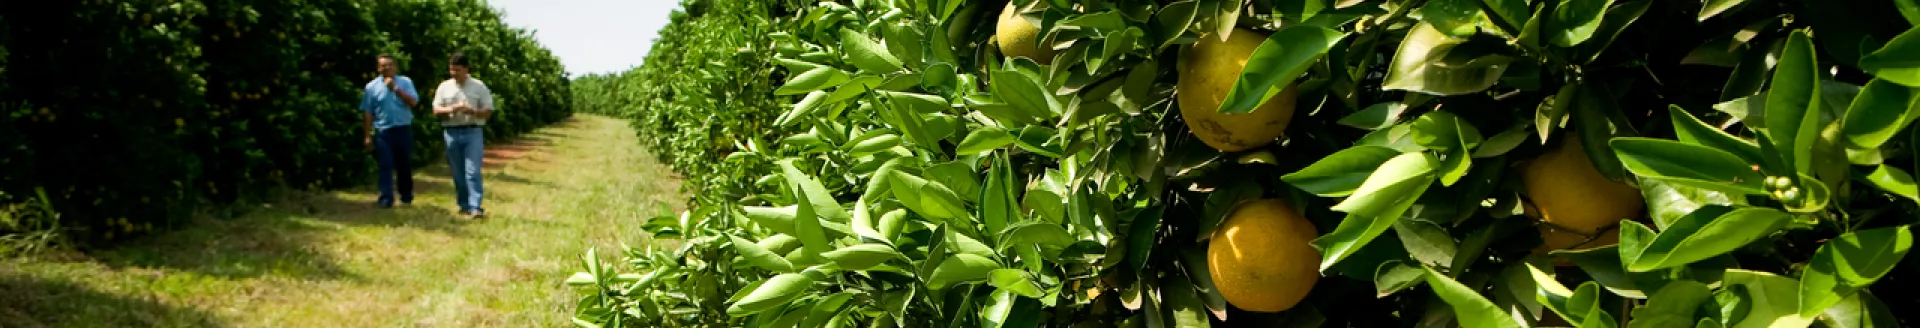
[[387, 108]]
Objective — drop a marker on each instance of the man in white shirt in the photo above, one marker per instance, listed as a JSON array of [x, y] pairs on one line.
[[464, 104]]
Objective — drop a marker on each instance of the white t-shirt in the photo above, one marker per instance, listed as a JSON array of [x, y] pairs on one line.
[[473, 93]]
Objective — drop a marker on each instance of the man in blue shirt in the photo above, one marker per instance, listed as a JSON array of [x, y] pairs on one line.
[[387, 109]]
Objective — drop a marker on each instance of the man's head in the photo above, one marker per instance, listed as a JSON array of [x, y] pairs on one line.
[[457, 67], [388, 67]]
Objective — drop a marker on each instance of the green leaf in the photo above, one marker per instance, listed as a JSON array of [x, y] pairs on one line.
[[1038, 139], [1443, 130], [1513, 13], [1574, 21], [825, 310], [962, 243], [1793, 100], [1339, 174], [1472, 309], [862, 256], [1456, 18], [1667, 202], [931, 200], [1722, 51], [1749, 110], [581, 279], [1751, 73], [957, 176], [1422, 65], [1899, 60], [940, 76], [1580, 306], [1050, 237], [777, 219], [912, 114], [1141, 235], [1375, 117], [806, 225], [1173, 20], [1604, 265], [866, 54], [1881, 109], [1299, 10], [1283, 57], [1227, 18], [874, 145], [773, 293], [813, 192], [1673, 306], [1015, 281], [1772, 298], [1026, 94], [960, 268], [1894, 180], [760, 257], [1500, 144], [863, 225], [1183, 300], [984, 139], [1689, 165], [812, 80], [1515, 290], [1382, 198], [1862, 310], [1426, 242], [1116, 43], [1910, 9], [1394, 276], [1715, 7], [998, 206], [1692, 130], [1598, 120], [1847, 264], [1552, 111], [1104, 21], [1705, 234], [811, 103], [854, 88]]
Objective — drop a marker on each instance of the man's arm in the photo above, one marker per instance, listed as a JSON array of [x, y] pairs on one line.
[[366, 119], [486, 105], [440, 108], [407, 95], [367, 124]]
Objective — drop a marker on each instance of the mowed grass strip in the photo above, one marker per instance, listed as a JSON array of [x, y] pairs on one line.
[[330, 259]]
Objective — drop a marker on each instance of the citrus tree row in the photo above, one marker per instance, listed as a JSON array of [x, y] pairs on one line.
[[1474, 163], [129, 115]]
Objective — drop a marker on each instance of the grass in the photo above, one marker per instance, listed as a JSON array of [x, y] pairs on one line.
[[330, 259]]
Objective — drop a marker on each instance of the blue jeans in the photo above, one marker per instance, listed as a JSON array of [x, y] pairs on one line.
[[464, 146], [393, 149]]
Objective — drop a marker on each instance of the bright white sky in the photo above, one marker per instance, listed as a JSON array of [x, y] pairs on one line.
[[592, 36]]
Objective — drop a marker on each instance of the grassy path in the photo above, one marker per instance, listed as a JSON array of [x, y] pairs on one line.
[[331, 260]]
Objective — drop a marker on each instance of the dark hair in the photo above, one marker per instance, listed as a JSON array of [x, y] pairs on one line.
[[458, 59], [387, 56]]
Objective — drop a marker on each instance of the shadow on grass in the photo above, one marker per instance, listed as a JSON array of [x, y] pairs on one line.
[[509, 178], [29, 302], [276, 241]]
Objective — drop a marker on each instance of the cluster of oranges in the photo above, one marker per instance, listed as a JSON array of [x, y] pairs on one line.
[[1260, 257]]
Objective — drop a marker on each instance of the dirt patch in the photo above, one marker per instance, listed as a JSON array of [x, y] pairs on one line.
[[499, 155]]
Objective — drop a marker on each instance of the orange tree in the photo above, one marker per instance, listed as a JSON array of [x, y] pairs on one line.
[[1495, 163], [130, 115]]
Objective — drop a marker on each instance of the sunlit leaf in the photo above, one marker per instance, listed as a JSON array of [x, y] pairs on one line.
[[1283, 57], [1417, 66]]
